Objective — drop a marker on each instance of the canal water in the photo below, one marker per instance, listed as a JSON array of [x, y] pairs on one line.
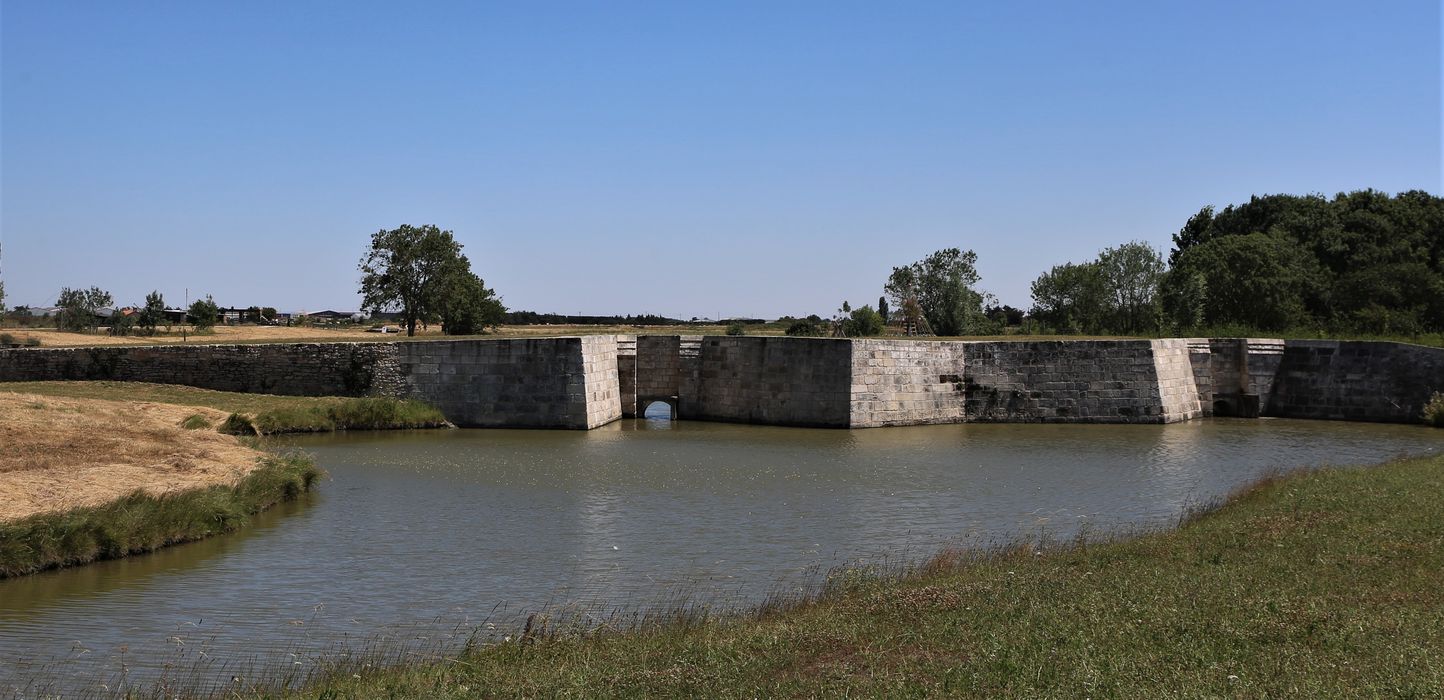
[[418, 540]]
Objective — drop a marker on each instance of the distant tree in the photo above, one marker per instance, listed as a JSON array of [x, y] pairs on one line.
[[1133, 272], [152, 314], [268, 313], [203, 313], [412, 269], [122, 324], [863, 322], [1072, 298], [1004, 315], [1183, 297], [2, 287], [942, 285], [79, 308], [469, 307], [736, 328], [882, 307]]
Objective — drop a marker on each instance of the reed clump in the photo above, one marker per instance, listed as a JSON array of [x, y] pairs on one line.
[[340, 414], [142, 522]]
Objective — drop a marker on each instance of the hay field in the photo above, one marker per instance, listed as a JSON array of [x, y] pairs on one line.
[[58, 454]]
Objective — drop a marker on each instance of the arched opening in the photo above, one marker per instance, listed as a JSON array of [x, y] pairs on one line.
[[658, 409]]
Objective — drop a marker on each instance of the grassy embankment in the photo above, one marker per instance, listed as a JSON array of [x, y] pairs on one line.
[[257, 413], [1321, 584], [141, 522], [83, 479]]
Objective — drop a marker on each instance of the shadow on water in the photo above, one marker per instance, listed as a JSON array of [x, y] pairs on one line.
[[420, 538]]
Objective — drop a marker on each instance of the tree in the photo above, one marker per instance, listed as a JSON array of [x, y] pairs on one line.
[[79, 309], [2, 289], [469, 307], [153, 313], [863, 322], [1257, 281], [203, 313], [1072, 298], [121, 324], [412, 269], [1133, 272], [882, 308], [942, 286]]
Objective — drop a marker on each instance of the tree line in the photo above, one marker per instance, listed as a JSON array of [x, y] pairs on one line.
[[1359, 262]]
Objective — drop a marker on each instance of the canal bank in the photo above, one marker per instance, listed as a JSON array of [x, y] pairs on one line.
[[468, 528], [1321, 584]]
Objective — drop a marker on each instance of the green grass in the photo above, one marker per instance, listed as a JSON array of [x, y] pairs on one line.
[[257, 413], [344, 414], [140, 523], [1321, 584]]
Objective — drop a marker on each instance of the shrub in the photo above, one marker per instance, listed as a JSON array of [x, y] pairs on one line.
[[32, 342], [1434, 410], [7, 339], [736, 328], [196, 421]]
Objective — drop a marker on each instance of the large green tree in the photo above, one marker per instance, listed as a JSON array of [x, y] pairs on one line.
[[415, 270], [1133, 271], [1072, 298], [942, 285], [1360, 261], [469, 307]]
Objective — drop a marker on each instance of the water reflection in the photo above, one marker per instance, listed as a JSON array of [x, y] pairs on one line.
[[416, 534]]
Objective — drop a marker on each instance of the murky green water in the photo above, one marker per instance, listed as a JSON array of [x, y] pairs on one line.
[[418, 538]]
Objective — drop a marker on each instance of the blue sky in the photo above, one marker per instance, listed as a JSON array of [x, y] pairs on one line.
[[689, 159]]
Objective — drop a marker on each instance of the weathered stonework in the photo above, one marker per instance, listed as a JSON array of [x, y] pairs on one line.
[[590, 381]]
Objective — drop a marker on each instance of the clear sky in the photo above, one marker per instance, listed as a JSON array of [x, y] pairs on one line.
[[681, 158]]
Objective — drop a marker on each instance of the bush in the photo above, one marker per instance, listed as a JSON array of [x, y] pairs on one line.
[[32, 342], [1434, 410], [736, 328], [196, 421], [7, 339], [805, 327]]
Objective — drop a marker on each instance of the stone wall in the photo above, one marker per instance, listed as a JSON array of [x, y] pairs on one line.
[[295, 369], [627, 375], [906, 382], [530, 382], [1355, 380], [587, 382], [1071, 381], [774, 381]]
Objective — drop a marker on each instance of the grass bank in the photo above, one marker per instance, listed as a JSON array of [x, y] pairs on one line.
[[142, 522], [1321, 584], [257, 413]]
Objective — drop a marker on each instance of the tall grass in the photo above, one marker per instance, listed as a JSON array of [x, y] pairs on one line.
[[141, 522], [341, 414]]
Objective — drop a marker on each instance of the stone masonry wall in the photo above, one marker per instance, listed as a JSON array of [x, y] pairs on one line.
[[531, 382], [627, 374], [659, 366], [601, 380], [299, 369], [1355, 380], [1177, 389], [1075, 381], [906, 382], [774, 381]]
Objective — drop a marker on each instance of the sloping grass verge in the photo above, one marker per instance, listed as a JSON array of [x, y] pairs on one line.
[[257, 413], [1315, 584], [140, 522], [341, 414]]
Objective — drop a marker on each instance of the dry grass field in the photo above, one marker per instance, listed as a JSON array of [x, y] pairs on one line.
[[65, 453]]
